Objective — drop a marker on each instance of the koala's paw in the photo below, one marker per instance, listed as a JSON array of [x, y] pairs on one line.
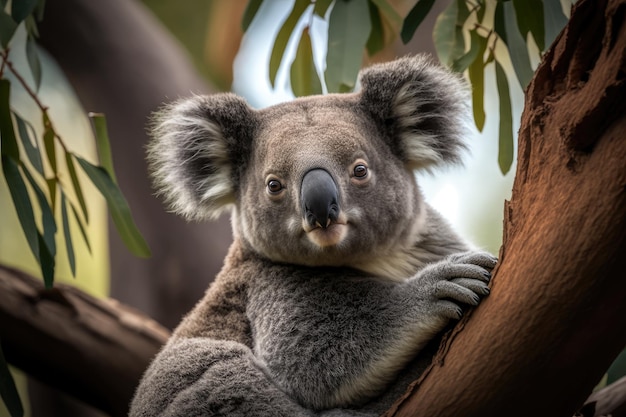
[[459, 279]]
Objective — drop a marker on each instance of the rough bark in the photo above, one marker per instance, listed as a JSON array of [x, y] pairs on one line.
[[555, 318], [95, 350]]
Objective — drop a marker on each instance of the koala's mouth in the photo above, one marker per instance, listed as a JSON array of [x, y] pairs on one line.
[[331, 235]]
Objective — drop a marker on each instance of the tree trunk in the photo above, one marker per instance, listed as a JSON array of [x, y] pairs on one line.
[[95, 350], [556, 316]]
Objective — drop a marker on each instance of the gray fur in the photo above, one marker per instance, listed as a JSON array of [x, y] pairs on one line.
[[295, 325]]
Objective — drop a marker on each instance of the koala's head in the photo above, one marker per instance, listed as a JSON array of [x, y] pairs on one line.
[[324, 180]]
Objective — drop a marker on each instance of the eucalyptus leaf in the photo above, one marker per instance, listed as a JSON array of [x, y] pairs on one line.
[[248, 15], [118, 207], [530, 18], [48, 143], [554, 19], [414, 19], [81, 227], [376, 39], [348, 30], [46, 262], [284, 34], [476, 72], [518, 50], [505, 142], [76, 185], [304, 78], [498, 23], [8, 26], [99, 124], [461, 64], [8, 391], [617, 370], [321, 6], [22, 8], [33, 61], [8, 144], [68, 235], [388, 11], [32, 150], [448, 32], [21, 202], [47, 215], [52, 189]]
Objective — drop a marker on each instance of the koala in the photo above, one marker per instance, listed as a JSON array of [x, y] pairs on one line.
[[340, 273]]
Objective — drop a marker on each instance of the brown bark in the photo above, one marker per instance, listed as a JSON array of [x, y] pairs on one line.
[[555, 318], [95, 350]]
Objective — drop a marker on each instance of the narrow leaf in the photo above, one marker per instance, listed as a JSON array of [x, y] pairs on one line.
[[518, 50], [554, 18], [81, 227], [8, 144], [529, 15], [118, 207], [48, 143], [388, 11], [463, 62], [46, 261], [448, 32], [32, 150], [617, 369], [376, 40], [348, 30], [21, 201], [22, 8], [321, 6], [505, 143], [498, 22], [68, 236], [8, 26], [304, 78], [52, 189], [33, 61], [47, 215], [102, 141], [280, 44], [8, 391], [248, 15], [76, 184], [414, 19], [476, 72]]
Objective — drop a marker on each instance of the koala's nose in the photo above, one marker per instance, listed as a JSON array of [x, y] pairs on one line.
[[319, 197]]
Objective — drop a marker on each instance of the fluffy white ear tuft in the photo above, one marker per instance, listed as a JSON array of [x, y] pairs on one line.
[[198, 149], [421, 107]]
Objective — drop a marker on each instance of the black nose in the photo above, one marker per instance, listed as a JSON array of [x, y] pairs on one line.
[[319, 197]]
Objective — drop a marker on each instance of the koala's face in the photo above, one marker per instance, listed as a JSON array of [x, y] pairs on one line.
[[323, 187], [326, 180]]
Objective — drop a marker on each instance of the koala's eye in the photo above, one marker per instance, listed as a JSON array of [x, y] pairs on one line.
[[360, 171], [274, 186]]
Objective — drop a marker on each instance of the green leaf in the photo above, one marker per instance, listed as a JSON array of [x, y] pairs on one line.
[[505, 143], [476, 72], [81, 227], [33, 61], [376, 40], [529, 15], [248, 15], [480, 11], [464, 61], [8, 144], [48, 143], [448, 32], [321, 6], [498, 22], [47, 215], [414, 19], [8, 26], [348, 30], [8, 391], [46, 262], [554, 18], [388, 11], [32, 150], [52, 188], [68, 236], [102, 141], [282, 39], [22, 8], [76, 184], [618, 369], [118, 207], [21, 201], [518, 50], [304, 78]]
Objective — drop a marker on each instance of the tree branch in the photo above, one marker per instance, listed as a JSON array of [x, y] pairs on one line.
[[555, 318], [95, 350]]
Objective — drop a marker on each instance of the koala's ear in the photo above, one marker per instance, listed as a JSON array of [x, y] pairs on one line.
[[421, 108], [199, 148]]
